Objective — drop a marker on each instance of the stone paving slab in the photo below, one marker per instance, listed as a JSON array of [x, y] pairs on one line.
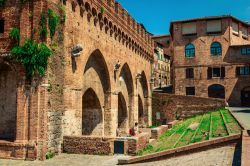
[[245, 155], [223, 156], [242, 114]]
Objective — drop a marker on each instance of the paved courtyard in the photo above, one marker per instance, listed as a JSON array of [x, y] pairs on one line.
[[242, 114], [224, 156]]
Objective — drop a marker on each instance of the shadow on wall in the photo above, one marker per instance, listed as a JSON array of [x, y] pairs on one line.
[[240, 95]]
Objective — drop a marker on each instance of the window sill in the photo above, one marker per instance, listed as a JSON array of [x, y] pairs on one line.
[[236, 34], [190, 35], [216, 56], [190, 57], [214, 33]]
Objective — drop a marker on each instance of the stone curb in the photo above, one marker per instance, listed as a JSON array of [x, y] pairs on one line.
[[178, 151], [241, 125]]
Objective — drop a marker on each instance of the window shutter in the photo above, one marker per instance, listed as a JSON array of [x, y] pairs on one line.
[[214, 26], [187, 73], [237, 71], [222, 72], [209, 72], [189, 28], [192, 73]]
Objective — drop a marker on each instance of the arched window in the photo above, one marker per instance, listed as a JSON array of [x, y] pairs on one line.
[[216, 49], [189, 50], [216, 91]]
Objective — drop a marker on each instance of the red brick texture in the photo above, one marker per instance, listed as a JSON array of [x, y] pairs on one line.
[[138, 143], [88, 145], [175, 106]]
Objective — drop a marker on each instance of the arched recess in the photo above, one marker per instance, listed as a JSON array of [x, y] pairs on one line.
[[96, 76], [126, 86], [216, 91], [122, 116], [245, 97], [140, 111], [8, 102], [144, 97], [92, 116]]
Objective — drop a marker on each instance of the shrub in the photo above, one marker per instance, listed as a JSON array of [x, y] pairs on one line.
[[34, 56]]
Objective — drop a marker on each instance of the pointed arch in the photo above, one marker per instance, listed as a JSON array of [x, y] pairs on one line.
[[97, 62], [92, 116], [8, 102]]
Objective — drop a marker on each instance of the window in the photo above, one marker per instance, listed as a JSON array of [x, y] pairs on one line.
[[242, 71], [190, 91], [1, 26], [214, 26], [245, 51], [235, 27], [244, 32], [216, 72], [216, 49], [189, 73], [189, 28], [190, 50]]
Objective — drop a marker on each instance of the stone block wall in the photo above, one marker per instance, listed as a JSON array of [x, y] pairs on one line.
[[138, 143], [172, 107], [88, 145], [157, 132]]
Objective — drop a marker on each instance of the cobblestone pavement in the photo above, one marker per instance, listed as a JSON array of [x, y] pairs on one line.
[[242, 114], [223, 156]]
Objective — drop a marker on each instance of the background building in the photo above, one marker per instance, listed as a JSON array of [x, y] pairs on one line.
[[161, 67], [211, 58]]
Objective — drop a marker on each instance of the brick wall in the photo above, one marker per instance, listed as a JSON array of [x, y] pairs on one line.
[[88, 145], [173, 106], [138, 143]]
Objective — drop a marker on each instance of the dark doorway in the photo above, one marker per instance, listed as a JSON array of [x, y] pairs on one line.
[[245, 97], [119, 147], [216, 91]]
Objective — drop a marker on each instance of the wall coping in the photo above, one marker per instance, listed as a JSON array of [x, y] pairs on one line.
[[176, 151]]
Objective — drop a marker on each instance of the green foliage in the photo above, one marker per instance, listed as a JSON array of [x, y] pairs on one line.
[[2, 2], [34, 56], [53, 21], [14, 34], [102, 10], [49, 155], [43, 30]]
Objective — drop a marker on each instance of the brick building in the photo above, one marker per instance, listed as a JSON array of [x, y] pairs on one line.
[[212, 58], [105, 88]]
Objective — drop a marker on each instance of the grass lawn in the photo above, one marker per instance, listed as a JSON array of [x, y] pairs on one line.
[[195, 129]]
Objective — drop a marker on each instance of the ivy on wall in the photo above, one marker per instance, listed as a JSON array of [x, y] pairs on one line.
[[2, 2], [33, 56], [53, 21], [43, 30], [15, 35]]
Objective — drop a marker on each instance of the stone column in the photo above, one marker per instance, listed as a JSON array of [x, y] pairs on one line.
[[111, 114]]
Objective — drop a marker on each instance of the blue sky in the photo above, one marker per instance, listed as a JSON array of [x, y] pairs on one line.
[[157, 14]]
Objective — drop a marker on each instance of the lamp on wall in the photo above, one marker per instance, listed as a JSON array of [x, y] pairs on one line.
[[117, 66], [138, 76], [76, 50]]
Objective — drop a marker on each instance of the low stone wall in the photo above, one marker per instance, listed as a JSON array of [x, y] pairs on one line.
[[158, 131], [88, 145], [172, 107], [138, 143], [12, 150], [183, 150]]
